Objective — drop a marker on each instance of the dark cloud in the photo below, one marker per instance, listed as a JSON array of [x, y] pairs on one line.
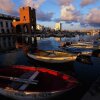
[[42, 16], [88, 2]]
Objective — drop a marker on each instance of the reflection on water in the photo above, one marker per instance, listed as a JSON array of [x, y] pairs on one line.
[[13, 58], [48, 44], [18, 57]]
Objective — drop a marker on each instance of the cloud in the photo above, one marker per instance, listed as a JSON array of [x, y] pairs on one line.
[[93, 17], [42, 16], [7, 6], [64, 2], [69, 13], [33, 3], [88, 2]]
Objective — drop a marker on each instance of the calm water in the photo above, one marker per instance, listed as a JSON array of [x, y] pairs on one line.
[[18, 57]]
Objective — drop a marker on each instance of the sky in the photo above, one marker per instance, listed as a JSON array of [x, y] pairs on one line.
[[73, 14]]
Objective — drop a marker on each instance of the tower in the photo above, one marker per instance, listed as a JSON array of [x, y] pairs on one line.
[[27, 23]]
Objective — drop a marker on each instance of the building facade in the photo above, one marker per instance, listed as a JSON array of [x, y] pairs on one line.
[[6, 23], [39, 27], [58, 26]]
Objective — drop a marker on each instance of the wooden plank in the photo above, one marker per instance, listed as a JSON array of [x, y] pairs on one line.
[[24, 86]]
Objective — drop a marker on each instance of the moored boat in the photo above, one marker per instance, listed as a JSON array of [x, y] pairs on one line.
[[31, 83], [52, 56], [77, 50]]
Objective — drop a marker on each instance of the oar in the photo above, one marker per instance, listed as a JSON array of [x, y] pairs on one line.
[[20, 80]]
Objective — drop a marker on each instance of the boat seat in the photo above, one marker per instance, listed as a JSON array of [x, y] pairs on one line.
[[27, 75]]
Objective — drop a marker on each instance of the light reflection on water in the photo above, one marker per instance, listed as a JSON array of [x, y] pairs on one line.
[[48, 44], [18, 57]]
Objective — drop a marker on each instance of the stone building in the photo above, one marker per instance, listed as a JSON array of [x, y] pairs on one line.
[[27, 22], [6, 23]]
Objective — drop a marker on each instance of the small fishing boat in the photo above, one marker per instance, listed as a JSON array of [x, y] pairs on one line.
[[77, 50], [31, 83], [52, 56]]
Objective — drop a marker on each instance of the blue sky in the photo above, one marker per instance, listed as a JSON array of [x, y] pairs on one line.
[[73, 14]]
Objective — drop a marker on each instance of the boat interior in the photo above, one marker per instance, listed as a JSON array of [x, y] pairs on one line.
[[52, 53], [32, 79]]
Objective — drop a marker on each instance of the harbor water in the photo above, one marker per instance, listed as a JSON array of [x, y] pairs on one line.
[[19, 57]]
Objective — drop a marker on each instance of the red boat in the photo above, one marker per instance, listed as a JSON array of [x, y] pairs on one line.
[[31, 83]]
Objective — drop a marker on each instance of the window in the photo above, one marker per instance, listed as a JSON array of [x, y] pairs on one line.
[[6, 24], [1, 24], [8, 31], [11, 24], [12, 30], [24, 18], [2, 31]]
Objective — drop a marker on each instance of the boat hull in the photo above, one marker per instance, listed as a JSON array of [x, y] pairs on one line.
[[52, 59], [30, 96]]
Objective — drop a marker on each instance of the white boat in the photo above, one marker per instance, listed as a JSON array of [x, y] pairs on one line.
[[88, 66], [31, 83], [77, 50], [52, 56]]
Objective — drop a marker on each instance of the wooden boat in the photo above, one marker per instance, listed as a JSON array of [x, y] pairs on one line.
[[52, 56], [31, 83], [77, 50]]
